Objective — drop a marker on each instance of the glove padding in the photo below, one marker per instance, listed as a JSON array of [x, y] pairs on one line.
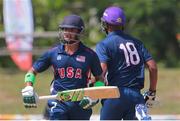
[[87, 103], [29, 97], [142, 112], [149, 97]]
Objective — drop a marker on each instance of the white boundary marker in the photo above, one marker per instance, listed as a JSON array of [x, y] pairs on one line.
[[93, 117]]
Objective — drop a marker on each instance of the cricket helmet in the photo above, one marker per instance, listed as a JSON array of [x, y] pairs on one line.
[[114, 16], [71, 22]]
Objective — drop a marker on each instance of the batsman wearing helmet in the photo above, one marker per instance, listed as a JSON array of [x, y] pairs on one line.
[[72, 63], [123, 59]]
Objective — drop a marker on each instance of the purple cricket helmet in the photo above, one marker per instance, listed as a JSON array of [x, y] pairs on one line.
[[114, 15]]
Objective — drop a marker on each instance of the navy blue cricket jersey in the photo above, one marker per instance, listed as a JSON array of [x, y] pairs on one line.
[[125, 57], [70, 71]]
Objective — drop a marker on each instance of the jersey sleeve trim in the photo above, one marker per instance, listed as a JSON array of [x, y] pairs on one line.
[[150, 58]]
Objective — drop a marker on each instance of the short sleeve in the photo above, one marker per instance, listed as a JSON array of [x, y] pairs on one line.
[[42, 63], [102, 52], [146, 55], [95, 65]]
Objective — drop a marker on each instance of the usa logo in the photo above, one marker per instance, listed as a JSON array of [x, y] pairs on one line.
[[81, 58]]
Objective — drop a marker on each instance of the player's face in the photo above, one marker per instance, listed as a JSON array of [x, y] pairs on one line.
[[70, 35], [104, 26]]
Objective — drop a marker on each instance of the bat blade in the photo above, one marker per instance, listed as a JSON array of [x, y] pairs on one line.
[[102, 92]]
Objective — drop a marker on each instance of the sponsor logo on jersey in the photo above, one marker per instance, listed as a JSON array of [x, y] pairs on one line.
[[80, 58], [59, 57]]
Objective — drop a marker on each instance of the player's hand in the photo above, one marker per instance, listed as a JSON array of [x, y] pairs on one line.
[[87, 103], [29, 97], [149, 97], [90, 83], [95, 84]]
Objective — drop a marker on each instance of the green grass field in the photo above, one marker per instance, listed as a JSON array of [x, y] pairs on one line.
[[12, 81]]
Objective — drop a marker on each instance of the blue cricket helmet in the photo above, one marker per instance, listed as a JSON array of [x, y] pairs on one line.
[[72, 21], [69, 22]]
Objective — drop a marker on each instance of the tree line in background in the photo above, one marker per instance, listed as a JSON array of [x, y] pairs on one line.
[[155, 22]]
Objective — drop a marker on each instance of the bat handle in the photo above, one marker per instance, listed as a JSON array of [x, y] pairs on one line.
[[47, 97]]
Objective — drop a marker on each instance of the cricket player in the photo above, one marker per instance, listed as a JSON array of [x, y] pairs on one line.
[[123, 58], [72, 63]]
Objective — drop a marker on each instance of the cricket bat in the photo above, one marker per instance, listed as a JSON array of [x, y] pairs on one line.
[[101, 92]]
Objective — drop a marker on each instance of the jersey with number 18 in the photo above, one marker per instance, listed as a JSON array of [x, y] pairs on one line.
[[125, 57]]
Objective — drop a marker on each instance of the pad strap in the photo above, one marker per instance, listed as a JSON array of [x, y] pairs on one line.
[[30, 77]]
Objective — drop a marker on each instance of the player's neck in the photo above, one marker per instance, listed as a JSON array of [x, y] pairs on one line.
[[71, 48], [115, 28]]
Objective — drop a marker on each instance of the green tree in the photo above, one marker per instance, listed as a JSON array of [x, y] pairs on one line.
[[155, 22]]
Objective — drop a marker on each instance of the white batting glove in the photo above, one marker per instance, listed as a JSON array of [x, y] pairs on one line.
[[87, 103], [29, 97], [149, 97]]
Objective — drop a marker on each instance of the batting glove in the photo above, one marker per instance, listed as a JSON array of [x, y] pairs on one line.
[[149, 97], [29, 97], [87, 103], [142, 112]]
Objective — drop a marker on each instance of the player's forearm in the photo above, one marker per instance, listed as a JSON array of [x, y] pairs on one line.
[[153, 82], [104, 68], [153, 72], [32, 70]]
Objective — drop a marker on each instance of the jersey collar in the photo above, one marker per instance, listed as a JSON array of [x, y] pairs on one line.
[[61, 49]]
